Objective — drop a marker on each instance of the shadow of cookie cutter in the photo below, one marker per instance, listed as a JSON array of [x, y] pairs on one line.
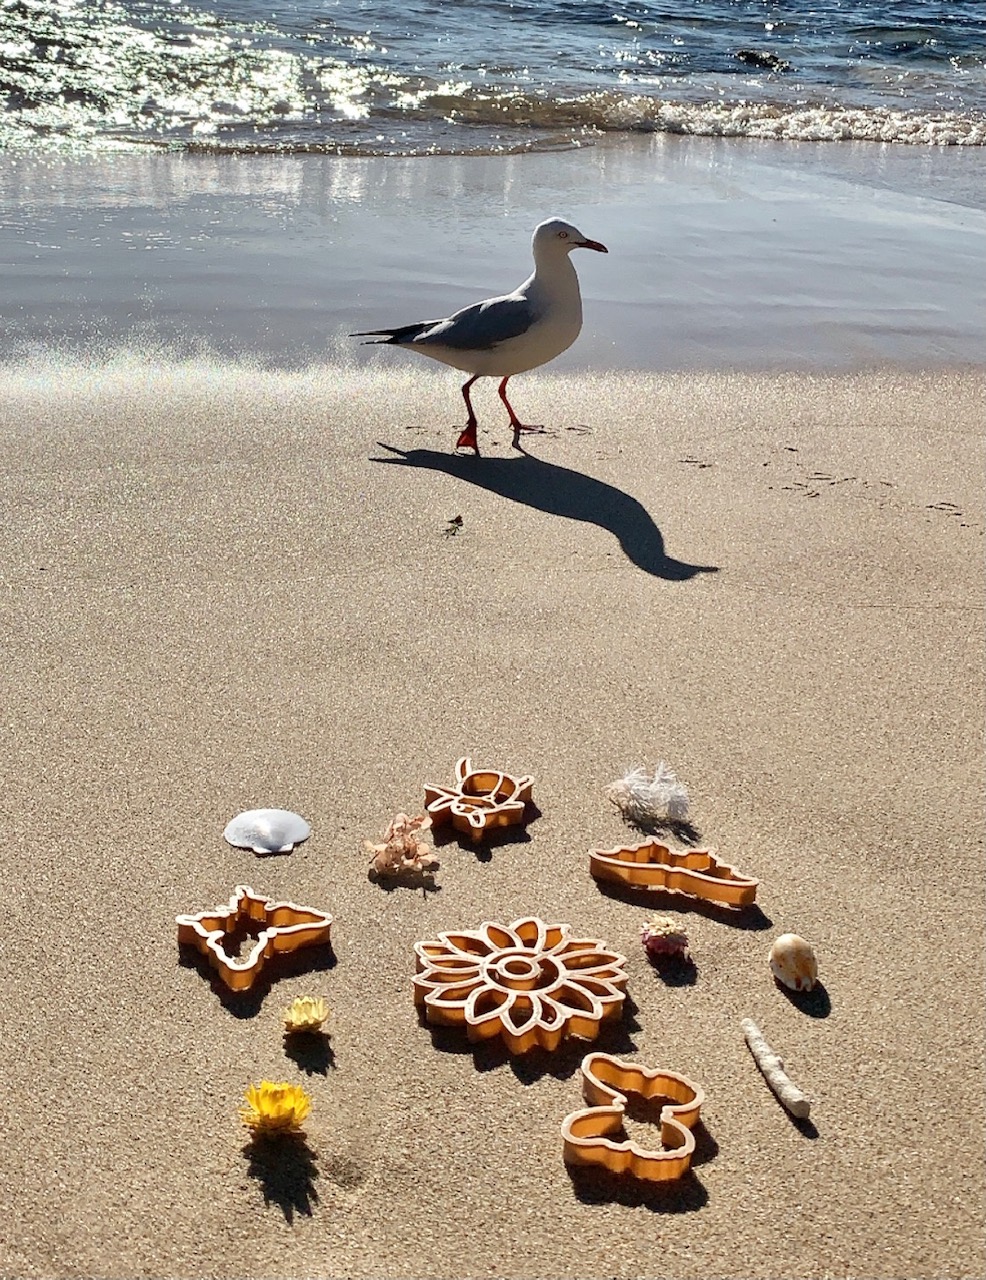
[[652, 865], [481, 800], [286, 927], [530, 983], [606, 1084]]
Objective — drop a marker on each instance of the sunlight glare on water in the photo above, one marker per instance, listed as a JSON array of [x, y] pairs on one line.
[[483, 75]]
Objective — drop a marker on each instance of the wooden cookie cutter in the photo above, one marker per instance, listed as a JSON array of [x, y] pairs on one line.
[[606, 1083], [529, 982], [652, 865], [481, 800], [286, 927]]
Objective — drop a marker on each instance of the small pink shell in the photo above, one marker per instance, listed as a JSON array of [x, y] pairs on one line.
[[792, 962]]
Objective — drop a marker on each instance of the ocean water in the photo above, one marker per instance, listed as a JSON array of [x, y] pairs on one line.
[[371, 77]]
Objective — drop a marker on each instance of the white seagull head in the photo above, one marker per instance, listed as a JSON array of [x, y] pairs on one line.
[[558, 236]]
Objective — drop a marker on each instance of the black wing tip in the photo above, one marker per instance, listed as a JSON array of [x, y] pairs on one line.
[[405, 333]]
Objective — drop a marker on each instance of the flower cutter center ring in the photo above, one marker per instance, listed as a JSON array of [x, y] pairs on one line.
[[521, 971]]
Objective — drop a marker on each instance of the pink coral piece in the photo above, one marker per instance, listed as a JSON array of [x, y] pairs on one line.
[[404, 853]]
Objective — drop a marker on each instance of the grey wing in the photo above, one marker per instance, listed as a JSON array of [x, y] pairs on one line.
[[483, 325]]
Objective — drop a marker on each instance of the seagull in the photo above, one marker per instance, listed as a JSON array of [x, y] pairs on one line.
[[511, 334]]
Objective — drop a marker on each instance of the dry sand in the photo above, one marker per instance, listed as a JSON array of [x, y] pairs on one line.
[[216, 594]]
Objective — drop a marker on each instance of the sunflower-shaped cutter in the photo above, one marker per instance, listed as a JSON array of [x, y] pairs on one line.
[[530, 983]]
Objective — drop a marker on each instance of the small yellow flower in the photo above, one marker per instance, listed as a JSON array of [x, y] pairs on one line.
[[275, 1108], [306, 1013]]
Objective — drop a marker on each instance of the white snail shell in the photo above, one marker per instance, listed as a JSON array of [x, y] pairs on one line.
[[792, 961]]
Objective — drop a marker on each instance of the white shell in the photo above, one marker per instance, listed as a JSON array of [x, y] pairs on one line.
[[792, 961], [267, 830]]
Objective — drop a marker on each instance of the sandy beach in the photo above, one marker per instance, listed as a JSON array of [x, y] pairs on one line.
[[228, 585]]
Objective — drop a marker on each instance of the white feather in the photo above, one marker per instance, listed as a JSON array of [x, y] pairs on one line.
[[643, 799]]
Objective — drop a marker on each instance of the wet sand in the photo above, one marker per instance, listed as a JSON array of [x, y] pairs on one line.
[[225, 588], [724, 253]]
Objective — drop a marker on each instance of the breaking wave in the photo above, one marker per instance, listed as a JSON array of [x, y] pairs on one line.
[[96, 75]]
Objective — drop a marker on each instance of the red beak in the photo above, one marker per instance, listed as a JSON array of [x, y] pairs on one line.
[[592, 244]]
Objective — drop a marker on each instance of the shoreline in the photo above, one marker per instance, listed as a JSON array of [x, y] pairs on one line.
[[724, 253]]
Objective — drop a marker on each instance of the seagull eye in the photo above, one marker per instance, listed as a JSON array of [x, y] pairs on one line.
[[562, 235]]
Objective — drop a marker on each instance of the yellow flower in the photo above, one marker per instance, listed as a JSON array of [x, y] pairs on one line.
[[306, 1013], [275, 1108]]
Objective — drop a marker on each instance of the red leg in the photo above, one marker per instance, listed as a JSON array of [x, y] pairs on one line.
[[467, 439], [515, 422]]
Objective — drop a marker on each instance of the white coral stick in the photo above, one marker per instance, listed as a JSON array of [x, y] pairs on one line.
[[788, 1093]]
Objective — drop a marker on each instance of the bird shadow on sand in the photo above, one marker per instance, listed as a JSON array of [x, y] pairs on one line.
[[559, 491], [750, 917]]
